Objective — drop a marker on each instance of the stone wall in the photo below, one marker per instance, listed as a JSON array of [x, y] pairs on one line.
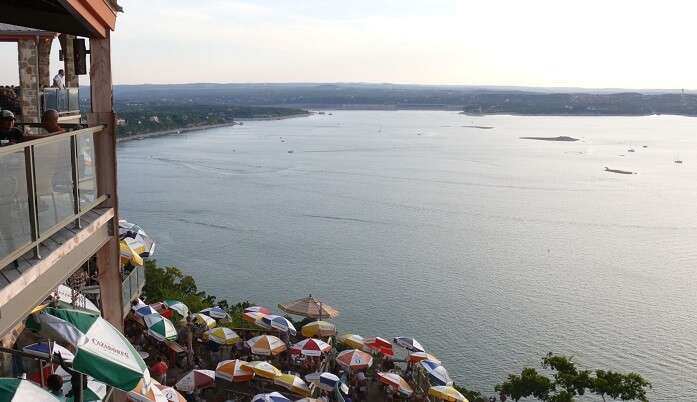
[[28, 76], [45, 76], [71, 80]]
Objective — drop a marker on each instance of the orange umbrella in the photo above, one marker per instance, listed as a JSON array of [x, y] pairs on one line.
[[233, 371]]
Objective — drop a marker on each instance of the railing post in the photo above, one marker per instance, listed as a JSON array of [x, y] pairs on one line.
[[76, 178], [31, 193]]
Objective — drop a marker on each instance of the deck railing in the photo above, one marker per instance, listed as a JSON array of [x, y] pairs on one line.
[[65, 100], [45, 185], [132, 287]]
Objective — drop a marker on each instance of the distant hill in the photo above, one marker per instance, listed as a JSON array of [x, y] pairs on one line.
[[470, 99]]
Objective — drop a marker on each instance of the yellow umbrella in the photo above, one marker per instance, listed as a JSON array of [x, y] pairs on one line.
[[448, 394], [352, 341], [205, 320], [128, 253], [318, 328], [262, 369], [223, 336], [293, 383], [266, 345]]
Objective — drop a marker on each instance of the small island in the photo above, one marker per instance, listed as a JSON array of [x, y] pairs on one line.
[[560, 138]]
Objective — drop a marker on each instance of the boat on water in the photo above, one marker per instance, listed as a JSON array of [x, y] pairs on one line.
[[607, 169], [631, 150], [678, 161]]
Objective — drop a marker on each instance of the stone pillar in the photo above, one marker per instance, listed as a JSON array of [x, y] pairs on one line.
[[8, 342], [28, 79], [45, 77], [71, 80]]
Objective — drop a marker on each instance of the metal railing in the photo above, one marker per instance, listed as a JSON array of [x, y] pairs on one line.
[[45, 185], [65, 100], [132, 287]]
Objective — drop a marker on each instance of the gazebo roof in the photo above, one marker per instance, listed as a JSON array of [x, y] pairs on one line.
[[309, 307]]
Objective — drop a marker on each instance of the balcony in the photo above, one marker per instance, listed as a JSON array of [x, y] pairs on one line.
[[50, 219], [64, 101], [132, 287]]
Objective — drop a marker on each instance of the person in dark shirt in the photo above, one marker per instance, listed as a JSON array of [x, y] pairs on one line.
[[49, 122], [9, 134]]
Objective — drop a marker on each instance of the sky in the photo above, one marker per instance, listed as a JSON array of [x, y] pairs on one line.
[[550, 43]]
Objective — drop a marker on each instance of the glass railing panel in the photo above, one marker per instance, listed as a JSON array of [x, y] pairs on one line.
[[15, 228], [54, 183], [87, 175]]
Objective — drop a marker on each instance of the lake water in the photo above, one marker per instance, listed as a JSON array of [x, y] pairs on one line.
[[489, 249]]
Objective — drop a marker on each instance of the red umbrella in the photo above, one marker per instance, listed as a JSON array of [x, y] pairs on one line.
[[354, 359], [380, 345], [196, 379], [311, 347]]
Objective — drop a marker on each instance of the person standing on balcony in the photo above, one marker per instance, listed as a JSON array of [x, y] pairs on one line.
[[58, 80]]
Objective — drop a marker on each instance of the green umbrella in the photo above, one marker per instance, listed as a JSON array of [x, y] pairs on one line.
[[18, 390], [160, 328], [101, 350]]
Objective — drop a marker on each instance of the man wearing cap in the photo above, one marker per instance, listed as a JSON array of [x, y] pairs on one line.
[[9, 134]]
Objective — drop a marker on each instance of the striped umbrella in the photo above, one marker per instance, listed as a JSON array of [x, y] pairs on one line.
[[129, 254], [266, 345], [262, 369], [44, 350], [196, 379], [101, 350], [170, 393], [278, 323], [141, 393], [354, 359], [69, 298], [272, 397], [419, 356], [216, 312], [293, 383], [409, 344], [437, 373], [204, 320], [397, 382], [160, 328], [147, 310], [380, 345], [318, 328], [178, 306], [223, 336], [257, 309], [18, 390], [446, 393], [326, 381], [310, 347], [233, 371], [253, 316], [352, 341]]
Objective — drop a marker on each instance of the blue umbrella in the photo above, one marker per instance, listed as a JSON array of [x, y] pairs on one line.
[[437, 373], [278, 323], [272, 397], [147, 310]]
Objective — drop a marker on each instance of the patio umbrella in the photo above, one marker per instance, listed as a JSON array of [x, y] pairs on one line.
[[437, 373], [397, 382], [278, 323], [196, 379], [136, 237], [257, 309], [171, 394], [204, 320], [43, 349], [318, 328], [18, 390], [352, 341], [409, 344], [141, 393], [354, 359], [262, 369], [266, 345], [139, 304], [233, 371], [178, 306], [147, 310], [447, 393], [310, 347], [309, 307], [223, 336], [216, 312], [272, 397], [129, 254], [326, 381], [253, 316], [419, 356], [162, 309], [380, 345], [293, 383], [101, 350], [69, 298], [160, 328]]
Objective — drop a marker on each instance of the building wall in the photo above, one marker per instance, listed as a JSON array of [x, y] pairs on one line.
[[28, 79]]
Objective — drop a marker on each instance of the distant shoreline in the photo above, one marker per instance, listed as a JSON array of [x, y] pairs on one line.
[[206, 127]]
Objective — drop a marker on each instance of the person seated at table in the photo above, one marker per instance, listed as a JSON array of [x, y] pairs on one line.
[[54, 383], [159, 370], [49, 122], [9, 134]]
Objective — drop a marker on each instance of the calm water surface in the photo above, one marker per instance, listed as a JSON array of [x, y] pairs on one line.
[[489, 249]]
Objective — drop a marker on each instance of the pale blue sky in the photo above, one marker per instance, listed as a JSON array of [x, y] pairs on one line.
[[593, 43]]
